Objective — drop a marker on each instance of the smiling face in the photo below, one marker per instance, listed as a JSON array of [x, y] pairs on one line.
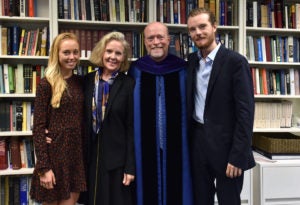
[[68, 55], [113, 56], [202, 31], [157, 41]]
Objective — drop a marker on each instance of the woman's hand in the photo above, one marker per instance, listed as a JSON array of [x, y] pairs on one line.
[[48, 139], [47, 180], [128, 178]]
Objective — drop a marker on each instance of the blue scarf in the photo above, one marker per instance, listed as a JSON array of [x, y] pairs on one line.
[[100, 98]]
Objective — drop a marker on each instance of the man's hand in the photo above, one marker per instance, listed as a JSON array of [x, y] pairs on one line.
[[233, 171], [128, 178]]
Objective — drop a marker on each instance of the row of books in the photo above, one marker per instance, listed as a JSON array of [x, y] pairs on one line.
[[176, 11], [24, 42], [102, 10], [273, 114], [24, 78], [275, 82], [20, 78], [82, 70], [273, 14], [18, 153], [182, 45], [15, 190], [22, 8], [273, 48], [16, 115], [88, 39]]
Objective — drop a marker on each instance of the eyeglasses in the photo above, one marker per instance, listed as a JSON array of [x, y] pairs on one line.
[[150, 39]]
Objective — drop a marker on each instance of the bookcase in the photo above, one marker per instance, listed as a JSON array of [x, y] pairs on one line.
[[271, 44], [18, 63], [235, 27]]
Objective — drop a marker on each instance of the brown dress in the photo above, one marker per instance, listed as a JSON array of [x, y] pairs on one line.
[[65, 154]]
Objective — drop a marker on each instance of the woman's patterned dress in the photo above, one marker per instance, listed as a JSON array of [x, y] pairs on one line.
[[65, 154]]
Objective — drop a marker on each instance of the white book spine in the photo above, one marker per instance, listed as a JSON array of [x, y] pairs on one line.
[[254, 13], [292, 81], [172, 11]]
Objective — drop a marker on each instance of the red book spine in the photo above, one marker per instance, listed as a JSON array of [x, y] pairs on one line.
[[15, 153], [268, 48], [182, 13], [31, 8], [278, 15], [3, 154]]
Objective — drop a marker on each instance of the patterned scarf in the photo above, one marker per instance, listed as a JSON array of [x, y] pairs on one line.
[[100, 98]]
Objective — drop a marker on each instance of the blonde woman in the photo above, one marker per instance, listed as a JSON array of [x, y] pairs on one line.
[[109, 116], [59, 174]]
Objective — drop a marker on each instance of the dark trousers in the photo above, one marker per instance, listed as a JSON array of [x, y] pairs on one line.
[[207, 181]]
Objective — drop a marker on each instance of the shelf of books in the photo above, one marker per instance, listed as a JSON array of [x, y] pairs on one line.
[[96, 18], [272, 47], [271, 44], [174, 15], [25, 38], [130, 17]]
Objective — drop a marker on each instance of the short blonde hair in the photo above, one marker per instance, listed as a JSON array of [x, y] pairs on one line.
[[98, 51]]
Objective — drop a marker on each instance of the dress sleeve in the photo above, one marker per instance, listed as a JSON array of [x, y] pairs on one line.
[[40, 121]]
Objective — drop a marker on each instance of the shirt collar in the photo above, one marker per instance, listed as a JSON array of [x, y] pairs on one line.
[[211, 56]]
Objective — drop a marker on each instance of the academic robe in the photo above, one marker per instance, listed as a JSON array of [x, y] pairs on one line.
[[161, 145]]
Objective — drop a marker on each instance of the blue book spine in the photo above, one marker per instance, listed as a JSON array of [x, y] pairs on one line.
[[1, 80], [222, 11], [28, 153], [296, 49], [259, 49], [23, 190], [282, 82], [15, 40]]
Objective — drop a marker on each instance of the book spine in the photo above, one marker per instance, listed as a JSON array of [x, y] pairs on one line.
[[6, 78], [60, 6], [19, 115], [15, 40], [11, 79], [3, 154], [15, 153], [21, 41], [182, 12], [23, 190], [4, 39], [31, 8], [22, 8]]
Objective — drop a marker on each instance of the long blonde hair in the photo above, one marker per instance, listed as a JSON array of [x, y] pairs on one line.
[[53, 73]]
